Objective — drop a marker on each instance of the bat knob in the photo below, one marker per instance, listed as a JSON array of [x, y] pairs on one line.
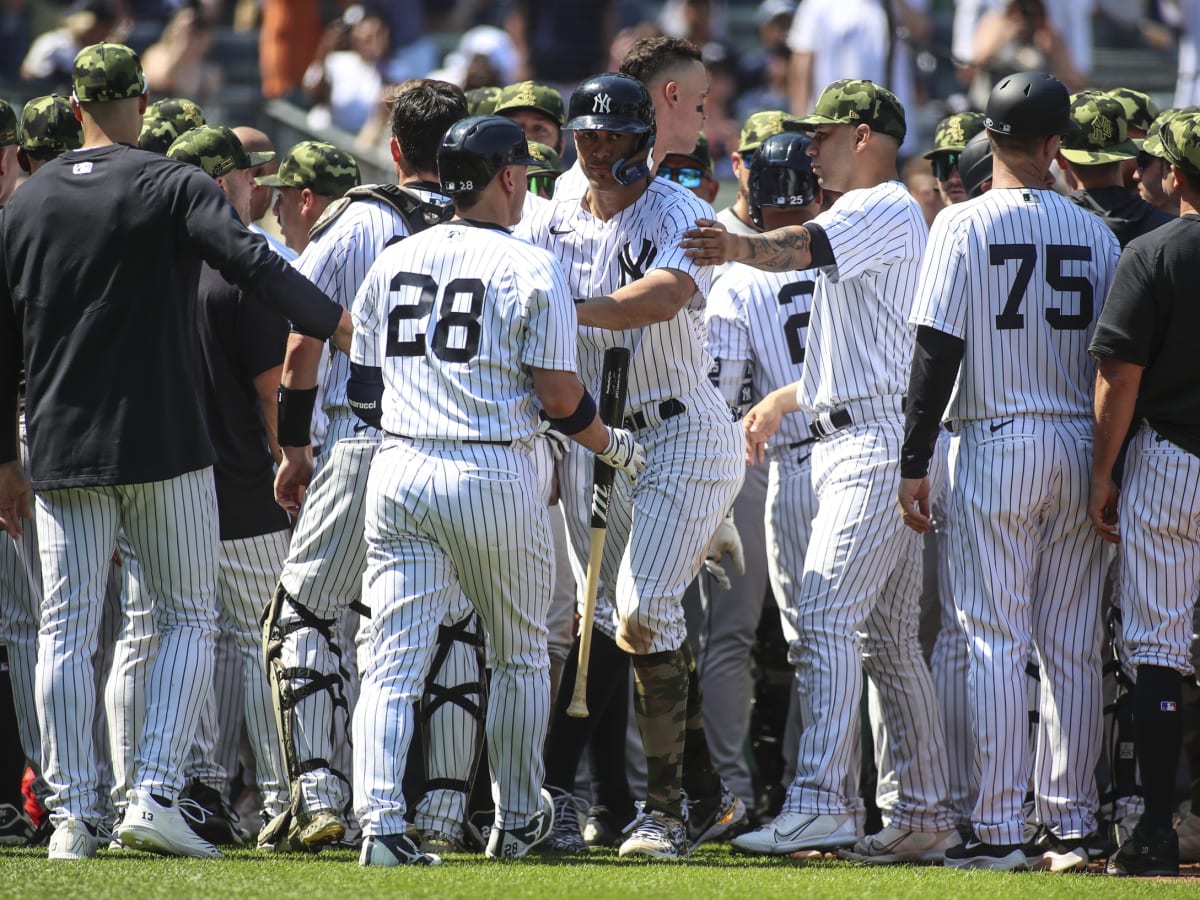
[[578, 709]]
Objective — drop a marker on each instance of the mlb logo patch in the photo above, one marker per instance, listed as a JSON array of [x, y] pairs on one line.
[[83, 168], [1167, 706]]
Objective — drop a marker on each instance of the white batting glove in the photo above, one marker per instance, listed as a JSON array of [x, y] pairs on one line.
[[623, 452], [559, 442], [726, 542]]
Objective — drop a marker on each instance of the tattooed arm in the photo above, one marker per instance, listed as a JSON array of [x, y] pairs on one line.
[[781, 250]]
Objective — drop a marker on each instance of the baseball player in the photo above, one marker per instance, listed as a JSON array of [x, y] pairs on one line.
[[450, 364], [76, 301], [537, 108], [482, 100], [757, 323], [323, 573], [1092, 162], [261, 198], [674, 74], [856, 609], [1143, 397], [1140, 113], [621, 241], [975, 166], [1015, 276], [243, 345], [545, 171], [693, 170], [311, 175], [949, 139]]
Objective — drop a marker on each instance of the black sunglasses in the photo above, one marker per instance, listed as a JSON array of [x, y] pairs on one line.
[[688, 176], [944, 164], [748, 157], [1144, 159]]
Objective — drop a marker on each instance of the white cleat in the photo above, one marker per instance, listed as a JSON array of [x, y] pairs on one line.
[[73, 839], [150, 826], [896, 845], [792, 832]]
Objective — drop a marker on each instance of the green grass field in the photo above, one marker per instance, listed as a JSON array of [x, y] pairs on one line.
[[710, 873]]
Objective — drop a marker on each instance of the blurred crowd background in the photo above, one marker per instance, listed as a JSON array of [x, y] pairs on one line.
[[319, 68]]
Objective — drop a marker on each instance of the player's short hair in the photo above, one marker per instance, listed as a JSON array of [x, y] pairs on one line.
[[422, 111], [650, 57], [1017, 145]]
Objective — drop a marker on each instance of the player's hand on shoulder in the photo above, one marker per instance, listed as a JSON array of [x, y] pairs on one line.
[[291, 481], [726, 542], [16, 499], [709, 243], [623, 452], [1102, 508]]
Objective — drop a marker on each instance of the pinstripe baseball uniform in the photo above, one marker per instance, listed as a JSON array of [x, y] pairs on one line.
[[856, 608], [448, 506], [1016, 275], [757, 322], [659, 529], [327, 558]]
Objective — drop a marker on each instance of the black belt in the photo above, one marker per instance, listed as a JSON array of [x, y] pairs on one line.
[[668, 409], [406, 437], [838, 419], [803, 443]]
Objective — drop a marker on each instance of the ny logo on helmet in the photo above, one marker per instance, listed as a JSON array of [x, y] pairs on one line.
[[601, 103]]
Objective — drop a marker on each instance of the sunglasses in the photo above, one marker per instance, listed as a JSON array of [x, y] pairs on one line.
[[747, 157], [687, 176], [1145, 159], [944, 164], [542, 183]]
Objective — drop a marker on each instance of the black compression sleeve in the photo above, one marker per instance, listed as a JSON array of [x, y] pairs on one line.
[[936, 359], [295, 416], [364, 391], [818, 247]]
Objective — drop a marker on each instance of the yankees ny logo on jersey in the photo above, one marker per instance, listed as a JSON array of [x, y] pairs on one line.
[[633, 269]]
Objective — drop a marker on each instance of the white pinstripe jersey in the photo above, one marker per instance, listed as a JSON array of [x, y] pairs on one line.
[[668, 358], [762, 318], [456, 316], [532, 203], [1019, 275], [571, 184], [859, 343]]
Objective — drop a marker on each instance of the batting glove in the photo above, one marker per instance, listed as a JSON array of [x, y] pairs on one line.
[[559, 442], [623, 452], [726, 542]]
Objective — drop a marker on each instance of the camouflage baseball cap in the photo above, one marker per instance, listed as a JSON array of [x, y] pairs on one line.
[[1180, 137], [531, 95], [548, 162], [855, 102], [8, 125], [1103, 135], [482, 100], [215, 149], [701, 154], [761, 125], [953, 132], [165, 120], [1140, 108], [320, 167], [49, 127], [105, 72]]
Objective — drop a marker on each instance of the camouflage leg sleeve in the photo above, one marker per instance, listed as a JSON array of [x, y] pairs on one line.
[[700, 778], [660, 704]]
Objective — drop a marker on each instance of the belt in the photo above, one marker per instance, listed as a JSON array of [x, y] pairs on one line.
[[825, 424], [668, 409], [406, 437], [804, 443]]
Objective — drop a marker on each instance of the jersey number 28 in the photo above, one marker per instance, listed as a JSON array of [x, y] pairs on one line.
[[1056, 254], [448, 318]]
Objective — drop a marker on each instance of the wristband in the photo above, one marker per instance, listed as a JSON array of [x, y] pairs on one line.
[[584, 413], [295, 416]]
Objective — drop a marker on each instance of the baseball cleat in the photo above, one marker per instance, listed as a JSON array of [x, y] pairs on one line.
[[438, 843], [1147, 853], [659, 836], [213, 818], [600, 829], [1049, 853], [390, 850], [74, 839], [793, 831], [975, 854], [513, 843], [317, 829], [149, 825], [565, 836], [898, 845], [710, 817], [16, 828]]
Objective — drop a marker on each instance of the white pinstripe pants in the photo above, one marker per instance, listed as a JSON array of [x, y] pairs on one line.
[[172, 526], [445, 518], [856, 611], [1026, 571]]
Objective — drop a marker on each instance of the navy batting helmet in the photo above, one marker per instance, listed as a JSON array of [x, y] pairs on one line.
[[615, 102], [975, 164], [476, 148], [781, 174], [1029, 104]]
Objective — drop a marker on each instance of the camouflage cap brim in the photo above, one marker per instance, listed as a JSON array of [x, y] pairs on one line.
[[1118, 153], [1152, 144], [270, 181], [259, 157]]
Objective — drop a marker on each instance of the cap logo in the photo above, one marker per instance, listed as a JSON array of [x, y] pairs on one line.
[[602, 103], [525, 96], [1102, 130], [954, 132]]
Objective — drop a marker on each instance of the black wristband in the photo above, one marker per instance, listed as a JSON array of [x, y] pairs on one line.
[[584, 413], [295, 416]]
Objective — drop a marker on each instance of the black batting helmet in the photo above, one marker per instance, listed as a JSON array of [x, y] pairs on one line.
[[781, 174], [615, 102], [975, 164], [1029, 104], [476, 148]]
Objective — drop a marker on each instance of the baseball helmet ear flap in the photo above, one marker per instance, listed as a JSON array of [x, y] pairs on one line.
[[621, 103]]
